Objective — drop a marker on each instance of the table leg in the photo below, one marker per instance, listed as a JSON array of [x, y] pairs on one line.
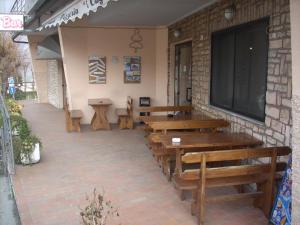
[[100, 120]]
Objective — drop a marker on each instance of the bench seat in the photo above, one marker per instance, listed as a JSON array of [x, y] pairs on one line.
[[125, 115], [121, 112], [75, 116]]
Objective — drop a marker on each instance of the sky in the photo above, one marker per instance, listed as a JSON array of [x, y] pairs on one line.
[[5, 5]]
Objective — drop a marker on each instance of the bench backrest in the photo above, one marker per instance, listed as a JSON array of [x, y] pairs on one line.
[[166, 126], [130, 106], [182, 108], [247, 168], [262, 174]]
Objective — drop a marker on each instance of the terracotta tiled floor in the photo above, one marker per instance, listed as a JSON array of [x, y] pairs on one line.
[[51, 192]]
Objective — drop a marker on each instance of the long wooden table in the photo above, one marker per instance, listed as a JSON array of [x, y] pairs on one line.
[[206, 141], [100, 106], [163, 118], [198, 142]]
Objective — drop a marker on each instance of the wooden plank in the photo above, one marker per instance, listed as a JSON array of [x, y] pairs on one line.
[[233, 197], [121, 112], [76, 113], [237, 154], [232, 171], [188, 124], [162, 118], [202, 190], [183, 108], [232, 181], [212, 141]]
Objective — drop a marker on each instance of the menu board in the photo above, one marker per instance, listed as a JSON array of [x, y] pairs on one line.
[[132, 69]]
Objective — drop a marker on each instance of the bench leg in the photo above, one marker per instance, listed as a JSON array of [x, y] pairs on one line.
[[122, 122], [259, 202], [75, 125], [129, 124]]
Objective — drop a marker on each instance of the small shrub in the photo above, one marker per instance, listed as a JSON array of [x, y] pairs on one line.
[[20, 95], [17, 146], [13, 107], [20, 126], [98, 210]]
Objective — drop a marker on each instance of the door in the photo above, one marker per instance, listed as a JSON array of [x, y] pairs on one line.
[[183, 74]]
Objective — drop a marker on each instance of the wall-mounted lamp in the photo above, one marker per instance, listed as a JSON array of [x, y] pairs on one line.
[[230, 12], [177, 33]]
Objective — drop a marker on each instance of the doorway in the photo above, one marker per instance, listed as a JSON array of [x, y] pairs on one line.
[[183, 74]]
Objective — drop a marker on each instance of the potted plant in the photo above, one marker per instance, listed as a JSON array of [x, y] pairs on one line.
[[31, 146]]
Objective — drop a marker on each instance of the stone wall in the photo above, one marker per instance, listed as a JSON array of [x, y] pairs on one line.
[[198, 27], [55, 83]]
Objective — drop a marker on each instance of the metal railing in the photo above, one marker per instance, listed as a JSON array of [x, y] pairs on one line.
[[18, 7], [6, 149]]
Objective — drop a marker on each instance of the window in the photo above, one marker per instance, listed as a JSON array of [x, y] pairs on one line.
[[239, 69]]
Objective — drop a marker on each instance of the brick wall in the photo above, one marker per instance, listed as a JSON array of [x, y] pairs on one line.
[[198, 27]]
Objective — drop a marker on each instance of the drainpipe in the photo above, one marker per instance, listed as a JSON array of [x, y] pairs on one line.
[[18, 42]]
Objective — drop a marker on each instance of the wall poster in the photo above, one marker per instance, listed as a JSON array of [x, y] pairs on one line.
[[282, 211], [97, 70], [132, 69]]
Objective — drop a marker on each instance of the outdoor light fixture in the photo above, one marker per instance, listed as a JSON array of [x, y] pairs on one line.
[[230, 12], [177, 33]]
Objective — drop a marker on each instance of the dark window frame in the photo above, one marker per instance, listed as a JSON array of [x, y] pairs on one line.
[[236, 29]]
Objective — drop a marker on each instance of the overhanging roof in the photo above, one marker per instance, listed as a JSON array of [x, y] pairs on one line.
[[137, 13], [76, 9]]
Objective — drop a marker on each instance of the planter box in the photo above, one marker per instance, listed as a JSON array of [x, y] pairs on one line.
[[34, 157]]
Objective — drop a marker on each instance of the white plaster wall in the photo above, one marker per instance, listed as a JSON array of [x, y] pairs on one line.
[[79, 43], [55, 96], [295, 36]]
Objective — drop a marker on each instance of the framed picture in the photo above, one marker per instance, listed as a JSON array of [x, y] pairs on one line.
[[132, 69], [97, 70]]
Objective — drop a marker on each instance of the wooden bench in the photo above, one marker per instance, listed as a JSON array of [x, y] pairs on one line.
[[178, 128], [155, 109], [73, 118], [263, 175], [166, 126], [125, 115]]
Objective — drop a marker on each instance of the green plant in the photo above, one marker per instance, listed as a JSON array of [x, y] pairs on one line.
[[98, 210], [17, 146], [20, 95], [13, 107], [24, 147], [20, 126]]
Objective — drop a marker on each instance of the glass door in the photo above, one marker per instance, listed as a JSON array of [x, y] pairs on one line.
[[183, 74]]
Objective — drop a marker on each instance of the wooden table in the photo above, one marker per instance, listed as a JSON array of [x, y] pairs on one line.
[[207, 141], [100, 106], [162, 118], [198, 142]]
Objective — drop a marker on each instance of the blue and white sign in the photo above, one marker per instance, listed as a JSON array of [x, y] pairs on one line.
[[11, 90], [11, 86]]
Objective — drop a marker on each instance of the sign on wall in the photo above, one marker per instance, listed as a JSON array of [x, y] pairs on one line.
[[132, 69], [282, 211], [11, 22], [97, 70]]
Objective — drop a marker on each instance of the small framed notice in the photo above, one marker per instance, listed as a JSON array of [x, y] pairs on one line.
[[132, 69]]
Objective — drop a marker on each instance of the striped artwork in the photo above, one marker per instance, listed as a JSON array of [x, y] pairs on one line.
[[97, 70]]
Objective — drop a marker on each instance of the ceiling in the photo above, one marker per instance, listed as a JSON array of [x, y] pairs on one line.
[[148, 13]]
